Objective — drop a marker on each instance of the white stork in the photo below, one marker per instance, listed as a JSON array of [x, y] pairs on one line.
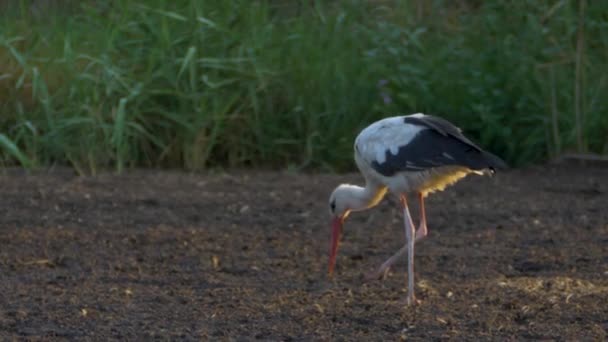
[[416, 153]]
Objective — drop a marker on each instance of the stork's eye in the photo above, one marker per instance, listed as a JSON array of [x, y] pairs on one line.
[[332, 205]]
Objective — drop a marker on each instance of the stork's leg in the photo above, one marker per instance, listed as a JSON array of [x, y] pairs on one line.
[[421, 233], [422, 230], [409, 246], [410, 237], [383, 269]]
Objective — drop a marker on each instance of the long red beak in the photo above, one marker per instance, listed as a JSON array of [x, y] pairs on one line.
[[336, 230]]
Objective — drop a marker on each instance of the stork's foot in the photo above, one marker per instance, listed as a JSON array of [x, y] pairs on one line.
[[380, 273], [411, 301]]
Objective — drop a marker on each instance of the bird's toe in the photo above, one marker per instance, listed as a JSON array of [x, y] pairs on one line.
[[411, 301], [379, 274]]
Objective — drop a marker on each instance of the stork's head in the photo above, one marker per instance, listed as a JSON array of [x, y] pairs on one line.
[[339, 208], [343, 200]]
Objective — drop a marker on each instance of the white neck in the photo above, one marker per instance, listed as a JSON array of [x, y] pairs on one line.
[[360, 198]]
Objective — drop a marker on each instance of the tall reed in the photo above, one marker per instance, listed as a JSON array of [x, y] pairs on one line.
[[197, 84]]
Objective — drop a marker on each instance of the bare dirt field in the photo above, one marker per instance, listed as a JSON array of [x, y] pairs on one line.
[[243, 256]]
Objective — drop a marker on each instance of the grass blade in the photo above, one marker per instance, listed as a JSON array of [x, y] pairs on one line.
[[11, 148]]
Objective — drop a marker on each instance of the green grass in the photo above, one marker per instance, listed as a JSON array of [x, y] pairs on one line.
[[197, 84]]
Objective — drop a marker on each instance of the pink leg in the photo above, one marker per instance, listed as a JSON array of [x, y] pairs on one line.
[[410, 236], [421, 233]]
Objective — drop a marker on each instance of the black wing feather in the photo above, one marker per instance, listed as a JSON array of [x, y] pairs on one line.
[[441, 145], [442, 126]]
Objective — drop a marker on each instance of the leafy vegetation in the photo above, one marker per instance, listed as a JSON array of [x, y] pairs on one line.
[[196, 84]]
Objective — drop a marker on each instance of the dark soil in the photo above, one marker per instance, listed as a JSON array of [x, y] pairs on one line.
[[243, 256]]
